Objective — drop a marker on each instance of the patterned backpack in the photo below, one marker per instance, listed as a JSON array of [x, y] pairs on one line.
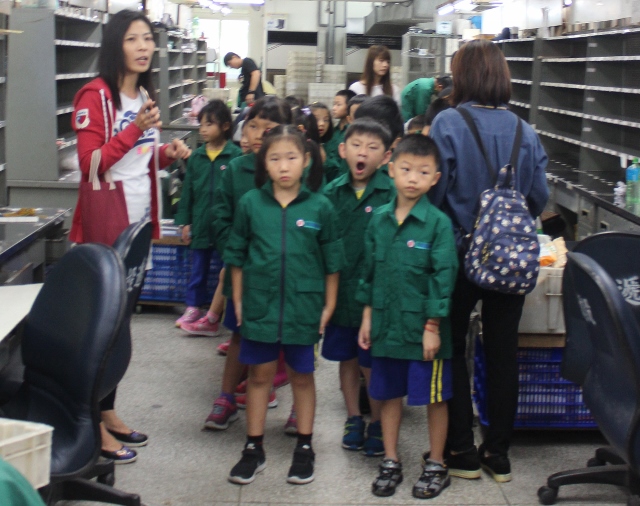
[[503, 249]]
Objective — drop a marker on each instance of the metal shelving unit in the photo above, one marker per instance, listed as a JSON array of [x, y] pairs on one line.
[[425, 55], [4, 21]]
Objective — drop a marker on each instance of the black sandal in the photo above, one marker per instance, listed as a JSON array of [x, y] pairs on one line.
[[389, 478], [434, 479]]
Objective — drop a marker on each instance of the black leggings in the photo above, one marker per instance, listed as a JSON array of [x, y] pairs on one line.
[[500, 319], [109, 401]]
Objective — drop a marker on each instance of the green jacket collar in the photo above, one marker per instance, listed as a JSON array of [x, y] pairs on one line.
[[379, 180], [420, 210], [226, 150], [304, 191]]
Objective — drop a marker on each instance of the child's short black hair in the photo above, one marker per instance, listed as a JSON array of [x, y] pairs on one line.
[[370, 127], [385, 109], [355, 100], [290, 132], [294, 102], [216, 111], [329, 133], [417, 145], [416, 124], [436, 107], [347, 94], [271, 108], [303, 117]]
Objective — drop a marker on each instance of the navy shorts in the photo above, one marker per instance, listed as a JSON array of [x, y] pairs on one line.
[[341, 344], [300, 357], [230, 320], [423, 382]]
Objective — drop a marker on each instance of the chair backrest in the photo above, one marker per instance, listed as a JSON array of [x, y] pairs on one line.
[[598, 318], [132, 245], [67, 339], [618, 254]]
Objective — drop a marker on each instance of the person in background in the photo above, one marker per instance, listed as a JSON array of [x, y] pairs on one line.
[[482, 86], [285, 254], [385, 110], [250, 78], [417, 95], [352, 107], [355, 196], [116, 113], [340, 112], [376, 78], [409, 271], [323, 120], [267, 113], [417, 125], [204, 171], [422, 124]]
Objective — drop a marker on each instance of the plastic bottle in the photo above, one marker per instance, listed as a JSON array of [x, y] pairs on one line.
[[633, 187]]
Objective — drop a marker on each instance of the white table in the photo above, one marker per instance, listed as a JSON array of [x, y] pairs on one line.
[[15, 304]]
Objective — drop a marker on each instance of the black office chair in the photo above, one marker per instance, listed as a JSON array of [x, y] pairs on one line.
[[67, 342], [606, 325]]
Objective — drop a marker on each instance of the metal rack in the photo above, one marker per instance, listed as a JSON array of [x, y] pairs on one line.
[[584, 101], [4, 20], [426, 55], [179, 66]]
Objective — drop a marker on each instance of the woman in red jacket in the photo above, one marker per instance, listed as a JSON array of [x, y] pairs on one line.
[[115, 114]]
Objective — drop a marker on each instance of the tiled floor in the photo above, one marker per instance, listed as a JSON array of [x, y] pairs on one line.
[[168, 391]]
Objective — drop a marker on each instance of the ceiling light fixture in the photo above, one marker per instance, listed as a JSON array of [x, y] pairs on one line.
[[225, 10], [445, 9], [464, 5], [567, 3]]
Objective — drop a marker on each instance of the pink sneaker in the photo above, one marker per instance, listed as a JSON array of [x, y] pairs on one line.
[[190, 315], [241, 400], [280, 379], [222, 414], [222, 348], [241, 389], [202, 327], [291, 427]]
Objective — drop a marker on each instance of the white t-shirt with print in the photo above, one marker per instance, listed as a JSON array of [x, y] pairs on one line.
[[133, 168]]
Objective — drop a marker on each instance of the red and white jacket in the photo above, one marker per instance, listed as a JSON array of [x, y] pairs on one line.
[[93, 121]]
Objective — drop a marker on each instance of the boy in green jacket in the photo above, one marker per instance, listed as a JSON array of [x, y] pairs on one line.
[[355, 195], [204, 172], [408, 277]]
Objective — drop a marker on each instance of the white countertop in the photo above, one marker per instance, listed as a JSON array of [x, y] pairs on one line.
[[15, 304]]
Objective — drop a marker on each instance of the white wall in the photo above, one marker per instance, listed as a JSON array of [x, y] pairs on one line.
[[593, 11], [301, 15], [524, 14]]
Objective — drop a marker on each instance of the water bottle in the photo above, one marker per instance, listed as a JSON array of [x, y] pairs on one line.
[[633, 187]]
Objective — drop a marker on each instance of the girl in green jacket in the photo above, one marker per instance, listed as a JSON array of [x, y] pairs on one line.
[[284, 253]]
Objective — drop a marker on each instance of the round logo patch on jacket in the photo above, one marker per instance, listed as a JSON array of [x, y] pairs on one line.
[[82, 119]]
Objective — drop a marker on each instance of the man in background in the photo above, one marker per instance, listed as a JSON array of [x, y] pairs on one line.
[[250, 78]]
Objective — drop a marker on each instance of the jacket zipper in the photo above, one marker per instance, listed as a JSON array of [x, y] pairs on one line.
[[283, 245]]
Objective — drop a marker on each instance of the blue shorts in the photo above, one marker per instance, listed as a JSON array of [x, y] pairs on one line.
[[300, 357], [230, 317], [341, 344], [421, 381]]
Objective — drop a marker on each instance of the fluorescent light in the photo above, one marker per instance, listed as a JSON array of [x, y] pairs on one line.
[[215, 7], [225, 11], [445, 9], [567, 3]]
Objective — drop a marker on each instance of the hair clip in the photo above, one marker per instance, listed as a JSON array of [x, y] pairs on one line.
[[266, 131], [306, 111]]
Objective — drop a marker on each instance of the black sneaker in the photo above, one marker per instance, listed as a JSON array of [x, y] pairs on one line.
[[389, 478], [461, 465], [301, 470], [434, 479], [498, 466], [252, 462]]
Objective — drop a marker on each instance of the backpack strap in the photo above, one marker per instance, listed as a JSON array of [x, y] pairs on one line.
[[476, 135], [515, 152]]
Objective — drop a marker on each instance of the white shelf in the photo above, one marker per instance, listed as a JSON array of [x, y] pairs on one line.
[[602, 119], [68, 15], [69, 143], [179, 67], [174, 50], [635, 91], [522, 81], [64, 109], [610, 150], [202, 66], [3, 124], [592, 59], [181, 101], [592, 34], [518, 58], [186, 67], [520, 104], [84, 75], [201, 81], [173, 86], [201, 52], [3, 80], [76, 43]]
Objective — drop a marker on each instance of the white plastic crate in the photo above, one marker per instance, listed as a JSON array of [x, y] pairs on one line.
[[542, 312], [27, 447]]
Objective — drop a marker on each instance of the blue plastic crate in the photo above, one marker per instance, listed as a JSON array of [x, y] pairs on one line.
[[167, 280], [545, 399]]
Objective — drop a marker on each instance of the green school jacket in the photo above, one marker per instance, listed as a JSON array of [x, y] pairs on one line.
[[196, 203], [285, 254], [333, 163], [416, 97], [237, 180], [353, 217], [408, 277]]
